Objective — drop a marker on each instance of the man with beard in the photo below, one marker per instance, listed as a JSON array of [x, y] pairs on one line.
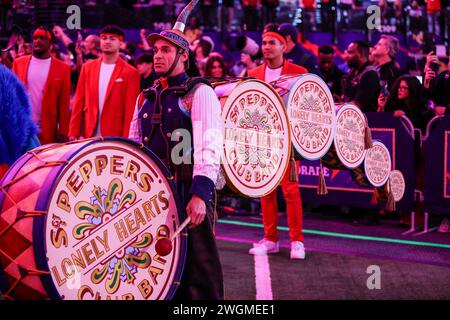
[[362, 85], [47, 81]]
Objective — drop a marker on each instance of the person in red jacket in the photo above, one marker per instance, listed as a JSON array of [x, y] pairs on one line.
[[47, 81], [273, 47], [106, 92]]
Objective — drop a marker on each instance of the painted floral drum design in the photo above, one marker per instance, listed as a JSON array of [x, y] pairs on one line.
[[311, 113], [257, 139], [397, 184], [377, 164], [81, 220], [349, 139]]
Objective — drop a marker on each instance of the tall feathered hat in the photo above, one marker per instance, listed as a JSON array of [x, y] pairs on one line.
[[176, 34]]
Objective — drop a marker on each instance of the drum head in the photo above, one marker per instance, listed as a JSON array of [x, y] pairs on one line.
[[397, 185], [312, 116], [106, 208], [377, 164], [257, 140], [349, 135]]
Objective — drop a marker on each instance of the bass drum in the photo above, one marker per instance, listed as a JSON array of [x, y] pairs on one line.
[[311, 113], [81, 220], [257, 139], [348, 149]]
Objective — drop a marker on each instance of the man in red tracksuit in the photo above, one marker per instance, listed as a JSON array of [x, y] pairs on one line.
[[273, 47]]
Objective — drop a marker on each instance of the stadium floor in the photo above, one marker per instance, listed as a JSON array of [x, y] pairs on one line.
[[338, 256]]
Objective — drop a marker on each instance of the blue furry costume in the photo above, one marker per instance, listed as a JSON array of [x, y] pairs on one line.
[[17, 130]]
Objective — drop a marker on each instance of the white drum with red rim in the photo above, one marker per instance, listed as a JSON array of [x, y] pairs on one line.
[[397, 185], [311, 113], [349, 135], [257, 141], [94, 211], [377, 164]]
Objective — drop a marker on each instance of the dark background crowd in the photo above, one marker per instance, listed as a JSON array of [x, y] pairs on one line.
[[401, 67]]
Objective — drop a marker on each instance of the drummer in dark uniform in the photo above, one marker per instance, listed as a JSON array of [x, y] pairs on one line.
[[179, 120]]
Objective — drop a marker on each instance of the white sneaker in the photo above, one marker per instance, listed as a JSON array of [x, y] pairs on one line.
[[264, 247], [297, 250]]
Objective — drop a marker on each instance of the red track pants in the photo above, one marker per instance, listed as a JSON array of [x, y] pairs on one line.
[[294, 209]]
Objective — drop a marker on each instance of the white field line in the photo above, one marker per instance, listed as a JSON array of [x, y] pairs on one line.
[[262, 278]]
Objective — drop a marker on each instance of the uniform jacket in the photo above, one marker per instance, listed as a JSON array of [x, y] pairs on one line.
[[55, 98], [119, 102]]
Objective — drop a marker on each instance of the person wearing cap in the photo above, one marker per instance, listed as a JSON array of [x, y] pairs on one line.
[[47, 81], [295, 52], [163, 116], [273, 47], [106, 92]]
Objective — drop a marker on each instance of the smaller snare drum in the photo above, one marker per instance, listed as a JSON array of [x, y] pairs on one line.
[[311, 113], [377, 164], [348, 150]]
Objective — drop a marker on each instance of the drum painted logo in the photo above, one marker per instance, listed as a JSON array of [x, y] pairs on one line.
[[312, 117], [397, 184], [109, 208], [377, 164], [256, 139], [349, 136]]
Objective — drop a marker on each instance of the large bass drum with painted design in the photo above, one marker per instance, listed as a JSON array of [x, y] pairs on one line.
[[81, 220], [257, 136]]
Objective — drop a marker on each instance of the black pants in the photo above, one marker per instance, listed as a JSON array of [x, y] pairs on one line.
[[202, 276]]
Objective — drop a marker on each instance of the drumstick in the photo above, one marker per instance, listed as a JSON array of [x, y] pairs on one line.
[[164, 245], [180, 228]]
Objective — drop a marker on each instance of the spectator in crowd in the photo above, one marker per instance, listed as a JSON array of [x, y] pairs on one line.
[[215, 66], [440, 92], [87, 48], [295, 52], [433, 14], [345, 9], [250, 62], [250, 20], [106, 92], [436, 83], [208, 9], [328, 14], [331, 74], [144, 46], [47, 81], [385, 52], [269, 10], [362, 85], [193, 31], [407, 99], [309, 14], [144, 65], [17, 130], [415, 17], [228, 8], [202, 48], [25, 50], [273, 46]]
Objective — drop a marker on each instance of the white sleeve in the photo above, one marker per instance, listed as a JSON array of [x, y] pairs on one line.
[[207, 132], [135, 129]]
